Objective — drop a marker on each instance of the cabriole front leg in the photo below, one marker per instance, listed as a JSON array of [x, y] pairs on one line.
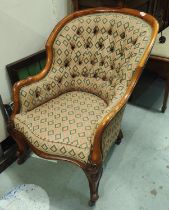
[[22, 147], [119, 138], [93, 173], [19, 139]]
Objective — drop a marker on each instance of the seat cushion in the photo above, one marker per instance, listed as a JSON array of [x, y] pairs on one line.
[[161, 49], [63, 126]]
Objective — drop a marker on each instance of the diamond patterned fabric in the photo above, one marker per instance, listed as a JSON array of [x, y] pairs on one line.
[[111, 133], [94, 58], [96, 53], [64, 126]]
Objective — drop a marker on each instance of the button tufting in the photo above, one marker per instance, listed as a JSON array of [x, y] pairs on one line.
[[112, 66], [100, 45], [78, 31], [96, 30], [102, 63], [60, 80], [87, 45], [92, 62], [37, 93], [73, 75], [122, 35], [66, 63], [80, 62], [112, 49], [104, 78], [72, 46], [121, 53], [95, 75], [48, 87], [110, 31]]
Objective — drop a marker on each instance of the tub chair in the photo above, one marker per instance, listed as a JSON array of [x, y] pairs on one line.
[[72, 110]]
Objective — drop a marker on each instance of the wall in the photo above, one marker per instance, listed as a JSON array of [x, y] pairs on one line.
[[25, 26]]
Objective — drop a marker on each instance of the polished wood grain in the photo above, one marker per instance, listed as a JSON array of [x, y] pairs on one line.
[[93, 169]]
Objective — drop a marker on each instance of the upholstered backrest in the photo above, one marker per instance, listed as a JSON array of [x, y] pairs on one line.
[[96, 53]]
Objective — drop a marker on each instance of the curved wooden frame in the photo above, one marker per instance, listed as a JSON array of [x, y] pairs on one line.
[[93, 168]]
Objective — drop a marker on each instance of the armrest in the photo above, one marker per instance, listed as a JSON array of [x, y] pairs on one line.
[[109, 115], [36, 93], [27, 84], [118, 103]]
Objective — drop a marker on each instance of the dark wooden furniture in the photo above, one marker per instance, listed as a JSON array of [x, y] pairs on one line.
[[8, 147], [8, 153], [160, 66], [93, 167], [157, 8]]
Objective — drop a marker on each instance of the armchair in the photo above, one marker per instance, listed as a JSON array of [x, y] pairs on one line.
[[72, 110]]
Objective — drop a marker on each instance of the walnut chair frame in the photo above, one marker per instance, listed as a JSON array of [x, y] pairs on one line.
[[93, 168]]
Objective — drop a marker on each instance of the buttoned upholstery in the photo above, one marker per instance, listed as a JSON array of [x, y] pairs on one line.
[[94, 58], [94, 53]]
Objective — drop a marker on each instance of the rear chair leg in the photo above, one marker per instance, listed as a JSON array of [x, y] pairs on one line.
[[165, 96], [22, 156], [22, 151], [19, 139], [119, 138]]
